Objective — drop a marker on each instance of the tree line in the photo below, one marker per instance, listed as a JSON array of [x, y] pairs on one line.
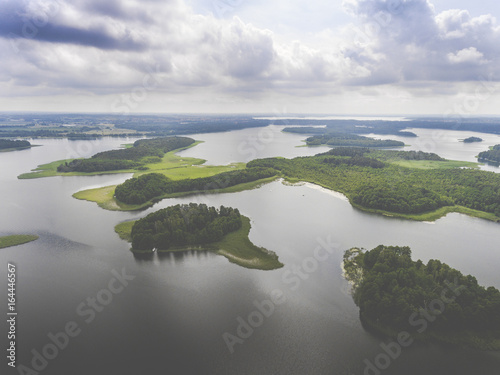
[[182, 225], [492, 155], [352, 140], [8, 143], [394, 291], [391, 187], [142, 152], [139, 190]]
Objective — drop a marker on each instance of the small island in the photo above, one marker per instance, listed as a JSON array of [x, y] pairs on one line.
[[472, 139], [16, 239], [198, 227], [425, 301], [11, 145]]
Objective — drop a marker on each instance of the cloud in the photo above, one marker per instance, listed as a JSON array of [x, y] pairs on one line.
[[407, 38], [468, 56], [100, 47]]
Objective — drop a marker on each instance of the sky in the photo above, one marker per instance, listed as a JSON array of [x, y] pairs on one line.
[[282, 57]]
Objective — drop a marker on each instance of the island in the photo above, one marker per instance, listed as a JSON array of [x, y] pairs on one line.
[[425, 301], [491, 156], [16, 239], [13, 145], [352, 140], [406, 184], [472, 139], [198, 227]]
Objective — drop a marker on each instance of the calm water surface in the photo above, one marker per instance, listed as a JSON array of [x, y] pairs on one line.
[[172, 316]]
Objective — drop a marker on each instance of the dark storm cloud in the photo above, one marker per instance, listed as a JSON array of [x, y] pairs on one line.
[[17, 23]]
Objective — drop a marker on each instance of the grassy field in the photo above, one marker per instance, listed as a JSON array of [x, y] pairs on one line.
[[124, 229], [172, 165], [235, 246], [16, 239]]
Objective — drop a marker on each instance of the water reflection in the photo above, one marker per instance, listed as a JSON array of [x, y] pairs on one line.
[[174, 257]]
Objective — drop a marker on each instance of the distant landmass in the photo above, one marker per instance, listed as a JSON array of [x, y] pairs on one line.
[[472, 139], [10, 145]]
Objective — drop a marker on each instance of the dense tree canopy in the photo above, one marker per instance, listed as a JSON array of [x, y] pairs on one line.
[[7, 143], [353, 140], [182, 225], [143, 151], [139, 190], [390, 187], [492, 155], [394, 291]]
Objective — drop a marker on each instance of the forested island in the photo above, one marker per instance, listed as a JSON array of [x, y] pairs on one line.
[[143, 151], [352, 140], [491, 156], [427, 301], [199, 227], [422, 189], [11, 145], [472, 140]]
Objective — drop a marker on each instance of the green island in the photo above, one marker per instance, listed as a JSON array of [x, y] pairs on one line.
[[198, 227], [143, 155], [350, 140], [427, 301], [406, 184], [490, 156], [472, 140], [393, 184], [16, 239], [13, 145]]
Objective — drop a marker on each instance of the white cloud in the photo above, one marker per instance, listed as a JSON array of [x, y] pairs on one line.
[[468, 56], [104, 48]]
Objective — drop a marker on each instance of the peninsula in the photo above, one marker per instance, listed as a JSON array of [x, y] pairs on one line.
[[490, 156], [198, 227], [426, 301]]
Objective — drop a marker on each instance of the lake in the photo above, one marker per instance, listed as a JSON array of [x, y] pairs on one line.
[[173, 313]]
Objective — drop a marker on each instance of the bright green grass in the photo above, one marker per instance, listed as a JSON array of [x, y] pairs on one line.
[[172, 166], [235, 246], [124, 230], [16, 239]]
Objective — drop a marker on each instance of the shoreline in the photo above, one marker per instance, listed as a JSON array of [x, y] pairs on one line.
[[236, 247]]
